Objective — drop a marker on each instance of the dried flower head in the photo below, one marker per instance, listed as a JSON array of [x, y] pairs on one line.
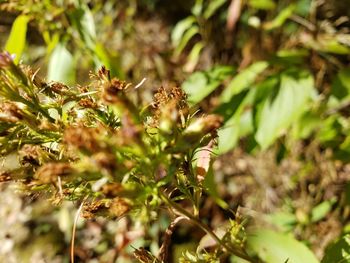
[[49, 172], [119, 206], [30, 154], [10, 112], [93, 209], [5, 176], [112, 189], [88, 103], [6, 60], [114, 91], [83, 138], [106, 161]]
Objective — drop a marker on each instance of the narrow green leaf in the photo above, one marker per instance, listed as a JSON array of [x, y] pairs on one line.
[[213, 6], [180, 28], [191, 32], [273, 247], [321, 210], [61, 65], [17, 39], [279, 111], [243, 80], [262, 4], [280, 18]]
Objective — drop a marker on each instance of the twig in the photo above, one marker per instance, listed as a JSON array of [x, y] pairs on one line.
[[235, 251], [164, 249], [74, 230]]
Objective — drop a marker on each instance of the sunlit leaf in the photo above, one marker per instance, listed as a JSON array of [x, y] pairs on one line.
[[280, 18], [262, 4], [280, 110], [273, 247], [61, 65], [200, 84], [243, 80], [17, 40]]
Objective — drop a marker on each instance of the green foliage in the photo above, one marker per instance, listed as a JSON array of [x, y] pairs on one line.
[[339, 251], [275, 247]]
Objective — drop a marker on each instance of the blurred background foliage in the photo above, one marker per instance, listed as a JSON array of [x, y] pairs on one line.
[[277, 71]]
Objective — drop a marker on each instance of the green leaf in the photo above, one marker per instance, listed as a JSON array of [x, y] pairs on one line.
[[262, 4], [61, 65], [180, 28], [339, 252], [341, 84], [321, 210], [17, 40], [191, 32], [279, 111], [213, 6], [273, 247], [243, 80], [83, 21], [280, 18], [201, 84]]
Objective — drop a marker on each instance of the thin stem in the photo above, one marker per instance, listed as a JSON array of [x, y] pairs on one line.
[[205, 228]]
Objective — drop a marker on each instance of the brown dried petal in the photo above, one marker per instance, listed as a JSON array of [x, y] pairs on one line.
[[83, 138], [119, 206], [49, 172], [5, 59]]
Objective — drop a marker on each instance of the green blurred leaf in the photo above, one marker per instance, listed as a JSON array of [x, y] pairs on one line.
[[262, 4], [61, 65], [180, 28], [280, 18], [279, 111], [339, 252], [193, 57], [191, 32], [17, 40], [273, 247], [213, 6], [284, 220], [341, 84], [243, 80], [201, 84], [322, 209]]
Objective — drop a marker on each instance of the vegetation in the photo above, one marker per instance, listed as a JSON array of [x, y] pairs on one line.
[[245, 161]]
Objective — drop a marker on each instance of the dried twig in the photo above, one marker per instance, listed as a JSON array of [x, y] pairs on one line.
[[164, 249]]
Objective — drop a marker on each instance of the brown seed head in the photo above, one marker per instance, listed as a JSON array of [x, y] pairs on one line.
[[49, 172], [83, 138]]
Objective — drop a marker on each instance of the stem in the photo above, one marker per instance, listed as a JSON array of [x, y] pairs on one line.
[[205, 228]]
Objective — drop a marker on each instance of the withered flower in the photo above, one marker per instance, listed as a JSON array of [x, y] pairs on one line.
[[105, 161], [119, 206], [49, 172], [169, 108], [10, 112], [5, 60], [112, 189], [104, 73], [87, 103], [114, 91], [30, 154], [83, 138], [5, 176], [58, 88], [93, 209]]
